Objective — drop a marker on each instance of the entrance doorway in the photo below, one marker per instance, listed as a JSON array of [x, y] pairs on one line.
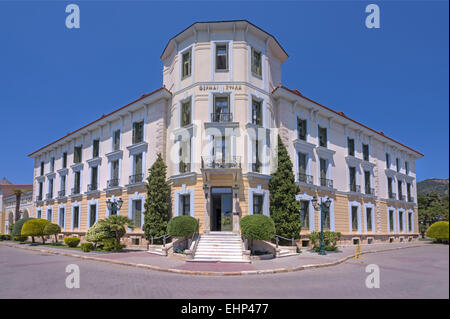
[[221, 209]]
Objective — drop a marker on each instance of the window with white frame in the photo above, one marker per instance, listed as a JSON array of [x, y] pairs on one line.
[[77, 154], [185, 205], [92, 214], [304, 214], [258, 202], [391, 220], [354, 218], [301, 129], [76, 216], [369, 218], [116, 140], [61, 219], [257, 118], [136, 213], [256, 62], [49, 214], [186, 64], [138, 132], [186, 113], [322, 136], [95, 148], [221, 57]]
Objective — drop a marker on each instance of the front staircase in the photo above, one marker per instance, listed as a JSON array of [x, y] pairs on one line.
[[220, 247]]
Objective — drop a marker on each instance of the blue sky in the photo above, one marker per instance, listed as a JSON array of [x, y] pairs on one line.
[[54, 80]]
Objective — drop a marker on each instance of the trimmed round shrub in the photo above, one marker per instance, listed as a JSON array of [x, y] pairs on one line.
[[99, 232], [87, 247], [17, 228], [35, 227], [111, 244], [439, 231], [182, 226], [72, 241], [20, 238], [5, 237], [258, 227], [52, 229]]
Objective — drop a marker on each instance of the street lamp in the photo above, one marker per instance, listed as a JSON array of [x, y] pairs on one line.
[[206, 189], [114, 205], [236, 190], [324, 208]]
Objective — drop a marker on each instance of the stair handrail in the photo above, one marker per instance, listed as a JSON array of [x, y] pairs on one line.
[[197, 232], [277, 238], [164, 237]]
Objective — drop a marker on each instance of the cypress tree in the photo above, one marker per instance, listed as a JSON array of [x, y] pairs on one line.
[[157, 203], [284, 208]]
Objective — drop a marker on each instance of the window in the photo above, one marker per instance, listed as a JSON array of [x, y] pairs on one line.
[[388, 161], [301, 129], [42, 168], [304, 213], [61, 217], [302, 167], [64, 165], [397, 164], [354, 218], [136, 213], [186, 113], [95, 148], [369, 218], [77, 183], [390, 194], [400, 190], [367, 182], [76, 216], [365, 148], [39, 214], [256, 112], [185, 205], [77, 154], [258, 204], [115, 171], [351, 146], [326, 220], [256, 63], [323, 172], [185, 156], [221, 109], [92, 214], [186, 67], [410, 221], [221, 57], [49, 214], [41, 186], [50, 188], [400, 219], [52, 164], [352, 175], [63, 185], [116, 140], [256, 165], [94, 173], [138, 164], [138, 132], [408, 192], [322, 136], [406, 168], [391, 220]]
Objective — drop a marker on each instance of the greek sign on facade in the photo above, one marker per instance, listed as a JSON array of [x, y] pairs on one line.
[[220, 87]]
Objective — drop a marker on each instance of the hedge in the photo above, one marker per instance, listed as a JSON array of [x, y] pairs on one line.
[[439, 231], [20, 238], [87, 247], [258, 227], [111, 244], [17, 228], [35, 227], [72, 241], [5, 237], [182, 226], [330, 240]]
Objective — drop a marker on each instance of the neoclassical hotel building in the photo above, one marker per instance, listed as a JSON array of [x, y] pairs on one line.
[[215, 122]]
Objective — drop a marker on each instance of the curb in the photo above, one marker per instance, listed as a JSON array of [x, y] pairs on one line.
[[208, 273]]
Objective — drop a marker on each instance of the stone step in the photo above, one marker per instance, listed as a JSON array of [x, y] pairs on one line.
[[220, 260], [219, 253]]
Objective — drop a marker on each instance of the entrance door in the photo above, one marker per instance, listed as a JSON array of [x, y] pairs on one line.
[[221, 209]]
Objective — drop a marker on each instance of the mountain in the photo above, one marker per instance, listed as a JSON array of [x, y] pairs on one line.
[[433, 185]]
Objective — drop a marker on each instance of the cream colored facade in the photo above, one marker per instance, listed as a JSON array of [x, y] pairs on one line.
[[215, 121]]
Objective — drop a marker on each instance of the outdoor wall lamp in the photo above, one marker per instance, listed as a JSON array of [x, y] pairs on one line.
[[324, 208], [114, 205], [206, 190]]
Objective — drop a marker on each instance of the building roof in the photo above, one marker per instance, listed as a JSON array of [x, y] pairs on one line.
[[341, 114], [102, 117], [4, 181], [8, 190], [223, 22]]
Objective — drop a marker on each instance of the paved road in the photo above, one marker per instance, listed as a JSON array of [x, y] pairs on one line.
[[421, 272]]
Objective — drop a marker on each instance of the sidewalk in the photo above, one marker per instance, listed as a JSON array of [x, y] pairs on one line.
[[142, 259]]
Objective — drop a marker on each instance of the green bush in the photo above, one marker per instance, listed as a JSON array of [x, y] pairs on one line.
[[330, 239], [72, 241], [111, 244], [5, 237], [17, 228], [35, 227], [20, 238], [87, 247], [439, 232], [182, 226], [258, 227], [99, 232], [52, 229]]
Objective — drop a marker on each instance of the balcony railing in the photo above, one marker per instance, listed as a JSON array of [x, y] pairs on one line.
[[184, 167], [113, 182], [76, 190], [62, 193], [410, 199], [136, 178], [221, 117], [221, 162], [355, 188], [304, 178], [49, 196], [370, 191], [326, 182], [392, 195], [256, 167], [92, 187], [401, 197], [38, 198]]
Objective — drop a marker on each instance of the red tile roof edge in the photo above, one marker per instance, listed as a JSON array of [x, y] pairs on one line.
[[102, 117], [296, 92]]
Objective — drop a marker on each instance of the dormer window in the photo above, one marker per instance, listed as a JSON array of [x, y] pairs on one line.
[[221, 57], [256, 63], [186, 64]]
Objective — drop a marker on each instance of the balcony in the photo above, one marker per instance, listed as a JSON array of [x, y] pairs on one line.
[[76, 190], [304, 178], [49, 196], [256, 167], [369, 190], [92, 187], [402, 197], [410, 199], [392, 195], [354, 188], [39, 198], [136, 178], [221, 117], [113, 183], [213, 162], [184, 167], [62, 193], [326, 182]]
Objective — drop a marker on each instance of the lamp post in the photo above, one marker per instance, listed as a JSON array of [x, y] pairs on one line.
[[114, 205], [324, 208]]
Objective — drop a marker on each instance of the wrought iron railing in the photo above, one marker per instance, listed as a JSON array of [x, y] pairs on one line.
[[355, 188], [184, 167], [369, 190], [326, 182], [49, 195], [392, 195], [76, 190], [62, 193], [304, 178], [92, 187], [221, 162], [136, 178], [113, 182], [401, 197], [256, 167], [38, 197], [221, 117], [410, 199]]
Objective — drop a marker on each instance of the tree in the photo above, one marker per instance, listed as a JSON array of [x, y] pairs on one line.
[[18, 193], [35, 227], [284, 208], [99, 232], [17, 228], [116, 225], [432, 208], [257, 227], [157, 203], [52, 229]]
